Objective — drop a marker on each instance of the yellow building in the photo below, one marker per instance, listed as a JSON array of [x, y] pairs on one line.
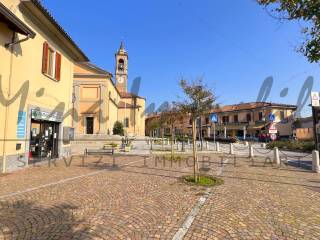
[[99, 101], [36, 68]]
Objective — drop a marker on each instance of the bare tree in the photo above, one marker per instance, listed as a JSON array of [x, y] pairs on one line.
[[169, 117], [198, 101]]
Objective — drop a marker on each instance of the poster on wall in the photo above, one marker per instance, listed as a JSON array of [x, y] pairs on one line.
[[21, 125]]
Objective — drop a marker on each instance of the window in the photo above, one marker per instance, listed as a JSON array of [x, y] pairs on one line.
[[260, 116], [51, 62], [121, 65], [126, 122], [225, 119], [207, 120], [190, 121], [248, 117], [235, 118], [281, 115]]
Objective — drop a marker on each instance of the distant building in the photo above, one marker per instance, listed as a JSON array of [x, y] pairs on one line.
[[99, 101], [234, 120], [303, 128]]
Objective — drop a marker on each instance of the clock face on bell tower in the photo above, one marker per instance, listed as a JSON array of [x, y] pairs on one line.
[[121, 69]]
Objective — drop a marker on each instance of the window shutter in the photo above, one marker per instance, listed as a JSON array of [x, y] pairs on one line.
[[45, 58], [58, 66]]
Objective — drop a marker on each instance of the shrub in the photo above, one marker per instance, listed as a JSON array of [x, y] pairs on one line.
[[118, 128], [207, 181], [223, 140], [304, 146]]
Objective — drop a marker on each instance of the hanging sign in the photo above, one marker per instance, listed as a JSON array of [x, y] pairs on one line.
[[46, 116]]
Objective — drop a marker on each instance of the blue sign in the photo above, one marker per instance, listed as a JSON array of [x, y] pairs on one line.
[[214, 117], [272, 117], [21, 124]]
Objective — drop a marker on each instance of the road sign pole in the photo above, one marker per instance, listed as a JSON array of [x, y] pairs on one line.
[[315, 133], [214, 132]]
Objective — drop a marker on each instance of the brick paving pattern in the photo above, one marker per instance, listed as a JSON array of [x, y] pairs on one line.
[[125, 199]]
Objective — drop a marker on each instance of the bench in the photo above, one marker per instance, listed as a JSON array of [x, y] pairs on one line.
[[101, 151]]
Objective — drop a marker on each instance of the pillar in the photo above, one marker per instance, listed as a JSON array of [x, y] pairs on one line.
[[276, 156], [315, 162]]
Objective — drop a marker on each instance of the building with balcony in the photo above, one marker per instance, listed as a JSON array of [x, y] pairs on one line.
[[236, 120]]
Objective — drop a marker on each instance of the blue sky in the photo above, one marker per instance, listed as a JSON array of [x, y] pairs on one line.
[[234, 45]]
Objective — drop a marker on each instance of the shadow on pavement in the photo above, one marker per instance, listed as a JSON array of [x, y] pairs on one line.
[[28, 220]]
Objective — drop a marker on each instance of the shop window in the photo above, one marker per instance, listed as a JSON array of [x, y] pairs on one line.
[[51, 62]]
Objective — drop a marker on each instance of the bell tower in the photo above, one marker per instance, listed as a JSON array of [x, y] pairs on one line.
[[122, 69]]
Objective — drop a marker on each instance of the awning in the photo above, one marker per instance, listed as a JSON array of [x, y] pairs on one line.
[[14, 23], [258, 126]]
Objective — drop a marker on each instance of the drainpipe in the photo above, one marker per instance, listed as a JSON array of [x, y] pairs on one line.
[[6, 116]]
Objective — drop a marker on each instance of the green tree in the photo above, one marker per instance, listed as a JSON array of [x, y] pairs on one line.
[[197, 102], [118, 128], [307, 10]]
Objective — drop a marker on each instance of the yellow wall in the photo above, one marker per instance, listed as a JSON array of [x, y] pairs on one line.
[[26, 65], [91, 80]]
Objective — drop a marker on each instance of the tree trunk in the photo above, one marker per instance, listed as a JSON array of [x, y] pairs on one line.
[[172, 138], [194, 146]]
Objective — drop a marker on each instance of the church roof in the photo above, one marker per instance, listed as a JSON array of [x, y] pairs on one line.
[[122, 50], [94, 68], [127, 105], [129, 95]]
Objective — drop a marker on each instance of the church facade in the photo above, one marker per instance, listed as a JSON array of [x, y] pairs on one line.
[[99, 101]]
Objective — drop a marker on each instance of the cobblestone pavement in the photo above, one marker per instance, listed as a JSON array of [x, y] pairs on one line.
[[132, 197]]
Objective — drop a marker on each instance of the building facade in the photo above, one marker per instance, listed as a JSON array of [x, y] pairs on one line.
[[303, 128], [250, 119], [36, 73], [99, 101]]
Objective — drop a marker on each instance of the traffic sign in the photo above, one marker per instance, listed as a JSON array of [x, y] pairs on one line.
[[272, 117], [273, 129], [315, 99], [273, 136], [214, 117]]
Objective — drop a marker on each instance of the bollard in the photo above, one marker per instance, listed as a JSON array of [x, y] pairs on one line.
[[276, 156], [246, 143], [231, 149], [217, 147], [315, 161], [263, 145], [188, 141], [251, 151], [207, 145]]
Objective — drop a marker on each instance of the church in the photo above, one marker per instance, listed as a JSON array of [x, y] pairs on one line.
[[99, 101]]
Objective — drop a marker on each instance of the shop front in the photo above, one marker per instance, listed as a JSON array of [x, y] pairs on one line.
[[44, 135]]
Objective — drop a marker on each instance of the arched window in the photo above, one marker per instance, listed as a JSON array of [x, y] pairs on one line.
[[121, 65]]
